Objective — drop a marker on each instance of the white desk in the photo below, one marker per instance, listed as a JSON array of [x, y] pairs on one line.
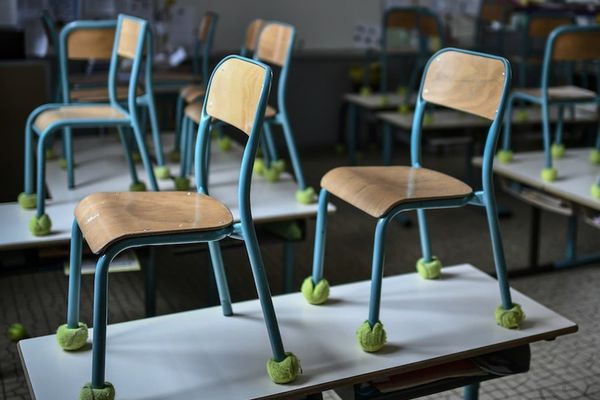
[[201, 353], [101, 167]]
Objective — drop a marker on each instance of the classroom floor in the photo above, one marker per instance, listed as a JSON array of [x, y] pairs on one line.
[[567, 368]]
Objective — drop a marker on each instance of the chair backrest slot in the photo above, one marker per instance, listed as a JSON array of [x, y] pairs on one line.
[[252, 34], [413, 18], [465, 82], [91, 44], [274, 43], [235, 91], [577, 45], [129, 38]]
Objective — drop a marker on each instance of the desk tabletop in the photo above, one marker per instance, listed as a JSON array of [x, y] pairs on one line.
[[576, 174], [101, 167], [179, 356], [450, 119]]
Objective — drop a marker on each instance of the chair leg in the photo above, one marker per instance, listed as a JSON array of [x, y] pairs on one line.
[[178, 123], [558, 148], [27, 198], [508, 314], [549, 173], [304, 194], [190, 140], [314, 288], [98, 384], [220, 277], [283, 367], [505, 155], [139, 138], [74, 334], [371, 335], [182, 182], [40, 224], [161, 171], [270, 142], [471, 392], [68, 154], [136, 185], [429, 267]]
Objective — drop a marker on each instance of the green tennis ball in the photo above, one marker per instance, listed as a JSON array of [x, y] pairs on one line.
[[557, 150], [162, 172], [384, 100], [403, 108], [106, 393], [595, 191], [182, 183], [521, 115], [136, 157], [431, 269], [137, 187], [278, 165], [365, 91], [17, 332], [306, 196], [271, 174], [549, 174], [511, 318], [40, 226], [505, 156], [62, 163], [51, 154], [595, 156], [72, 338], [27, 200], [370, 339], [315, 294], [259, 166], [284, 371], [224, 143]]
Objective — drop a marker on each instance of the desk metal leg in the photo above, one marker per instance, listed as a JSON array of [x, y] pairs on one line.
[[388, 143], [288, 265], [472, 391], [151, 283], [571, 251], [351, 133], [534, 237]]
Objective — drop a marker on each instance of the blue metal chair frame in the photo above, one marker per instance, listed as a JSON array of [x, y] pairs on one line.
[[202, 51], [421, 58], [550, 173], [130, 120], [484, 198], [244, 230]]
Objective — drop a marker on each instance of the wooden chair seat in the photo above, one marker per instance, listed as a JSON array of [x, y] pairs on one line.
[[193, 111], [105, 218], [99, 94], [175, 77], [376, 190], [96, 112], [561, 92], [192, 93]]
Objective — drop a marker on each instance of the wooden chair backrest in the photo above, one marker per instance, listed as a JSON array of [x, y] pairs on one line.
[[252, 33], [91, 44], [540, 26], [234, 93], [204, 27], [274, 43], [465, 82], [129, 37], [576, 45], [492, 12], [413, 18]]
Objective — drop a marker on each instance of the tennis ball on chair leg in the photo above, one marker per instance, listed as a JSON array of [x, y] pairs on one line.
[[371, 339], [259, 166], [27, 201], [505, 156], [162, 172], [315, 294], [137, 187], [511, 318], [595, 156], [549, 174], [40, 226], [72, 338], [306, 196], [182, 183], [431, 269], [284, 371], [106, 393], [595, 191], [557, 150]]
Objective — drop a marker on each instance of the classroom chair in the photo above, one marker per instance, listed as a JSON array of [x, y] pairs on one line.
[[274, 46], [534, 33], [566, 44], [48, 119], [113, 222], [195, 92], [93, 44], [178, 81], [470, 82]]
